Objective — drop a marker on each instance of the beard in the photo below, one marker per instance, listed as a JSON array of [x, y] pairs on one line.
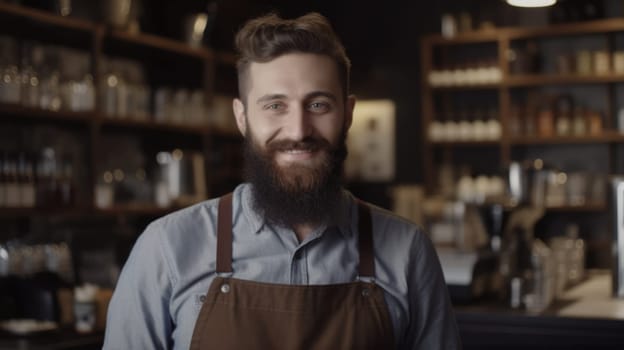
[[295, 194]]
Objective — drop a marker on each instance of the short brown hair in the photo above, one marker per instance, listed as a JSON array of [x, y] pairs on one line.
[[265, 38]]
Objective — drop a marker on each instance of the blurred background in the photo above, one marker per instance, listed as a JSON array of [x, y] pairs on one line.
[[498, 128]]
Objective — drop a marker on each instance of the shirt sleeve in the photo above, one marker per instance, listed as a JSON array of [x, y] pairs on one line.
[[432, 320], [138, 314]]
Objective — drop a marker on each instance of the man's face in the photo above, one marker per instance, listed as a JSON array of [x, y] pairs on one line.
[[294, 115]]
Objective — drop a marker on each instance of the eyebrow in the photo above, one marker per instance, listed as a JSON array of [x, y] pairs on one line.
[[272, 97], [329, 95]]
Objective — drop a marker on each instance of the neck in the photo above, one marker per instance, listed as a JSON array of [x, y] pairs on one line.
[[302, 231]]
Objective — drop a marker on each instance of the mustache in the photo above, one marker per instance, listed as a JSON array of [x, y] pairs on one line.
[[309, 143]]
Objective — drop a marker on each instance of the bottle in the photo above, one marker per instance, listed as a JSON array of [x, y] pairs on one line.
[[50, 93], [594, 122], [493, 126], [464, 127], [529, 122], [122, 97], [515, 126], [479, 127], [579, 127], [30, 87], [530, 115], [89, 93], [10, 85], [451, 129], [21, 178], [46, 178], [436, 130], [545, 121], [109, 95], [11, 182], [28, 182], [66, 183], [564, 116]]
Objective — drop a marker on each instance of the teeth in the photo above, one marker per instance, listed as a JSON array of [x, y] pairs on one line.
[[296, 151]]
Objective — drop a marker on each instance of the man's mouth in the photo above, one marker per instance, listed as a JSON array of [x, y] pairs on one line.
[[298, 150]]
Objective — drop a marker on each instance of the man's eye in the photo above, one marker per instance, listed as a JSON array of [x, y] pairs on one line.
[[319, 106], [273, 106]]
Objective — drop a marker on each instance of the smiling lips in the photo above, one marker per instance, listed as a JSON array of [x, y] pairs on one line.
[[296, 154]]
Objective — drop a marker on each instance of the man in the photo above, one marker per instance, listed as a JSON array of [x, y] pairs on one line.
[[289, 260]]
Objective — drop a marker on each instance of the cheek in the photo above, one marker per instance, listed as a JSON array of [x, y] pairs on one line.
[[331, 129], [259, 131]]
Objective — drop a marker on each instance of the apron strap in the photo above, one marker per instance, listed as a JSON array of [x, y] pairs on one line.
[[366, 266], [224, 235]]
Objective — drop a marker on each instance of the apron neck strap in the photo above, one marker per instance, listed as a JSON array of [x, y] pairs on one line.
[[224, 235], [366, 266]]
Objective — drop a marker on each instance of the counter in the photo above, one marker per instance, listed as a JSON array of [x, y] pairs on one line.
[[63, 339], [585, 317]]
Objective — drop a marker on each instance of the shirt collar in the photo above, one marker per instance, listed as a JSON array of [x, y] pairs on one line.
[[345, 221]]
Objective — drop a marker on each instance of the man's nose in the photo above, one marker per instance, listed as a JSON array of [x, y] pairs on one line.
[[299, 125]]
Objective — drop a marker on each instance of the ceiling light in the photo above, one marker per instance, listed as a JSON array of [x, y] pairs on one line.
[[531, 3]]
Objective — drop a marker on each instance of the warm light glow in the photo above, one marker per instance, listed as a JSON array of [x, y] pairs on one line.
[[531, 3]]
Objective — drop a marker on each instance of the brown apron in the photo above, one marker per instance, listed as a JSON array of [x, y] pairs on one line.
[[239, 314]]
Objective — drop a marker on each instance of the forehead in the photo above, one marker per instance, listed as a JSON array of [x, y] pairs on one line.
[[293, 74]]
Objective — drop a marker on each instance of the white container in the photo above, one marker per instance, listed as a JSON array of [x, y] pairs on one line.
[[449, 25], [104, 196]]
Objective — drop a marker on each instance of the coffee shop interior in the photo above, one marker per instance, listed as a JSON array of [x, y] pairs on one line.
[[496, 127]]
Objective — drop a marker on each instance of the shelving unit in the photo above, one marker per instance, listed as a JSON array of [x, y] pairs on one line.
[[503, 39], [32, 24]]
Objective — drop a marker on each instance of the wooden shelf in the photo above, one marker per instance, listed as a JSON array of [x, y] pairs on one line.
[[589, 207], [11, 212], [143, 39], [467, 87], [472, 37], [10, 110], [465, 143], [149, 124], [85, 211], [546, 79], [514, 33], [606, 137], [578, 28], [46, 18], [161, 43], [137, 209]]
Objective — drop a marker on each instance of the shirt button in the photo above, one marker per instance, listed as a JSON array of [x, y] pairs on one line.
[[225, 288], [365, 292], [202, 298]]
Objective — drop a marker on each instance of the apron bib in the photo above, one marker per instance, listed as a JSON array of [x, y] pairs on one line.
[[242, 315]]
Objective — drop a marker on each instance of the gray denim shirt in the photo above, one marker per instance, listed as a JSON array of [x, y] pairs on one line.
[[159, 293]]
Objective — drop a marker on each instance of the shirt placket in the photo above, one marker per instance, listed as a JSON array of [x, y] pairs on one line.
[[299, 267]]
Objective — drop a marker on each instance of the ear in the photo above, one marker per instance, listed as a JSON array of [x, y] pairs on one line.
[[239, 113], [350, 106]]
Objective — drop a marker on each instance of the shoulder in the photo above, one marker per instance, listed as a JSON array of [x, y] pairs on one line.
[[399, 239], [186, 234], [194, 220], [388, 223]]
